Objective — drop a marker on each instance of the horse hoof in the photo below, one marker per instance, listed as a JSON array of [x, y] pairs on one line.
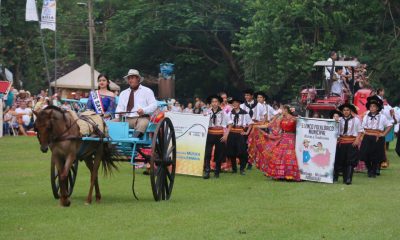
[[65, 204], [87, 203], [98, 200]]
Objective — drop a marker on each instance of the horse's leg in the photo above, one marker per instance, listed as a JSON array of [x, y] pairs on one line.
[[97, 161], [69, 160], [89, 164], [61, 181], [93, 175]]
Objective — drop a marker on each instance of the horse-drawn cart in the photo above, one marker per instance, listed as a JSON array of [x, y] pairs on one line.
[[156, 147]]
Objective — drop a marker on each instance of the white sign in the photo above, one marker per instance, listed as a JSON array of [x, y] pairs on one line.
[[316, 148], [191, 135], [31, 11], [49, 15]]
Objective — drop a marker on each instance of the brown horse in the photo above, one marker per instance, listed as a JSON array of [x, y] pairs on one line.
[[58, 130]]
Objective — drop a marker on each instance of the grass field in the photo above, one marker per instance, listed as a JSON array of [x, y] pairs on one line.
[[232, 207]]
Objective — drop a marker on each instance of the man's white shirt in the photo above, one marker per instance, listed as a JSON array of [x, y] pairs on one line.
[[143, 99]]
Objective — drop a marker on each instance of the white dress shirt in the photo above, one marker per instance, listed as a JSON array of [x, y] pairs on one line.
[[243, 121], [353, 129], [143, 99], [258, 110], [378, 122], [222, 119]]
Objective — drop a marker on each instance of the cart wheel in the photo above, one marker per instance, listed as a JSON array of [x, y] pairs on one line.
[[163, 160], [55, 186]]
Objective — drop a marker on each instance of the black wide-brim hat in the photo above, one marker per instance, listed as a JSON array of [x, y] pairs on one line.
[[262, 94], [333, 112], [374, 100], [210, 98], [235, 99], [348, 105]]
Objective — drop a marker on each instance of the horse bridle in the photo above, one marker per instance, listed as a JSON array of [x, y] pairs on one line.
[[61, 137]]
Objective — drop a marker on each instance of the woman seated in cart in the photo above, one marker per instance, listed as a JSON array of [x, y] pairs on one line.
[[102, 101]]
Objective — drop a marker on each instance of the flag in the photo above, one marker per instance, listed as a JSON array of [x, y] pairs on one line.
[[48, 15], [31, 11]]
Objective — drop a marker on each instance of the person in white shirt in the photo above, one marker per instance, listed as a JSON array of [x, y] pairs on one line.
[[268, 112], [241, 127], [256, 111], [252, 107], [24, 117], [337, 84], [176, 107], [137, 103], [375, 126], [328, 70], [350, 132], [189, 108], [216, 137], [389, 113]]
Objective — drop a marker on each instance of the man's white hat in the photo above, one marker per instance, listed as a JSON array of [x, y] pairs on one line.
[[134, 72]]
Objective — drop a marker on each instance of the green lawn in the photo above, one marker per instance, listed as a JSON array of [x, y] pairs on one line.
[[232, 207]]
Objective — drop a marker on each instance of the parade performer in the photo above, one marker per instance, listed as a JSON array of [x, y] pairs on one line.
[[255, 110], [350, 132], [388, 111], [102, 101], [216, 137], [241, 127], [283, 164], [375, 126]]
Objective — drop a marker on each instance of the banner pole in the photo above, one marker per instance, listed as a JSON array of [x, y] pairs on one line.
[[45, 55]]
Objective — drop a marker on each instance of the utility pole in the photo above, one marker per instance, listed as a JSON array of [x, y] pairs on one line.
[[91, 30]]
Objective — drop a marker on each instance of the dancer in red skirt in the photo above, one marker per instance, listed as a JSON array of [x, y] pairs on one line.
[[283, 164]]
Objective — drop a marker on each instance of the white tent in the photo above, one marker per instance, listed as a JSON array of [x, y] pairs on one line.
[[80, 79]]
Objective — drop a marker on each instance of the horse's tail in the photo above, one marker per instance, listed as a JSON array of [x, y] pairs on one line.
[[109, 154]]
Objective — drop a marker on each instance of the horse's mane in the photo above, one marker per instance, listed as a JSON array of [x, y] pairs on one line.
[[58, 109], [52, 107]]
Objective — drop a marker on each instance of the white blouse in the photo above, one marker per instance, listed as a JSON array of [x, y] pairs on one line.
[[377, 122]]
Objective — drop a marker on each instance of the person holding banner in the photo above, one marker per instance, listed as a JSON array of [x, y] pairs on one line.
[[102, 101], [375, 126], [216, 137], [241, 127], [350, 132], [283, 164]]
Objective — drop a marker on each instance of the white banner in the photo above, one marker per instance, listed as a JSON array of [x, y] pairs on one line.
[[191, 135], [48, 20], [31, 11], [316, 148]]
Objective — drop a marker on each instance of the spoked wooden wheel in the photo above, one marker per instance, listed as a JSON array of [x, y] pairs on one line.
[[163, 160], [54, 179]]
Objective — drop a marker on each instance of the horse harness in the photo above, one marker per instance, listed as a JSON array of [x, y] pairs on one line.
[[64, 136]]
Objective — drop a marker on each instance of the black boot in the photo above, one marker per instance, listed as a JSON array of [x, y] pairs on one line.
[[206, 175], [335, 176], [348, 175]]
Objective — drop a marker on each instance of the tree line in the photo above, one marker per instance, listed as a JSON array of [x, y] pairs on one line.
[[215, 44]]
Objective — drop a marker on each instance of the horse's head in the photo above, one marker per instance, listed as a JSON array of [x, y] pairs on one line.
[[43, 127]]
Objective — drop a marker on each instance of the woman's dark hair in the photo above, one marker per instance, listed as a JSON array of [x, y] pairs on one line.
[[379, 90], [287, 107], [108, 81]]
